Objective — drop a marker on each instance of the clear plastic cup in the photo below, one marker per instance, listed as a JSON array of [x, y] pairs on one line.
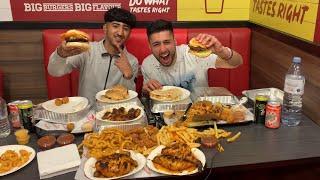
[[22, 136]]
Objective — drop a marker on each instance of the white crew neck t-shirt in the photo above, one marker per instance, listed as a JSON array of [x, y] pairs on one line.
[[187, 72]]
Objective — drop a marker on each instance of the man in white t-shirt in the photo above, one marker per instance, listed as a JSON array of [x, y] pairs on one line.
[[173, 65]]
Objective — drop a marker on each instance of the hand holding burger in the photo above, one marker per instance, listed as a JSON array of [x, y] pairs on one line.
[[73, 42], [204, 44]]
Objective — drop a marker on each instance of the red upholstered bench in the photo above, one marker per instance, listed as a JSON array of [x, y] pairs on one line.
[[235, 80]]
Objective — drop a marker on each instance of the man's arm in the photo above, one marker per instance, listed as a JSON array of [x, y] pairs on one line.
[[57, 65], [227, 58], [148, 83], [63, 60], [230, 59]]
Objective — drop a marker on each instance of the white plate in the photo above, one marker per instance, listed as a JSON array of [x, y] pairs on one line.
[[185, 94], [89, 166], [75, 104], [101, 113], [196, 152], [16, 148], [100, 97]]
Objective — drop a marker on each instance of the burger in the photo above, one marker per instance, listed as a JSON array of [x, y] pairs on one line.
[[198, 49], [77, 39]]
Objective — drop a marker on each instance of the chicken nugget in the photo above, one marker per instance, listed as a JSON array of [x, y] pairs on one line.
[[58, 102], [65, 100]]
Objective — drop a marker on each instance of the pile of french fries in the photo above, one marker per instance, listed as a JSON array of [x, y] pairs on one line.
[[172, 133]]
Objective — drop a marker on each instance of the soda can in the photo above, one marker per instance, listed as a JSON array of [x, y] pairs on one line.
[[273, 114], [14, 114], [260, 108], [26, 114]]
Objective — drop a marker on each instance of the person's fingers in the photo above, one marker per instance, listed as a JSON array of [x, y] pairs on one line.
[[211, 42], [119, 49], [120, 62], [151, 86], [148, 89], [206, 40], [157, 84], [74, 51], [117, 61], [199, 37], [63, 44]]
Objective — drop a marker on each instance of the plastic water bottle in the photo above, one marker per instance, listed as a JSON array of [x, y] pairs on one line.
[[293, 91], [4, 122]]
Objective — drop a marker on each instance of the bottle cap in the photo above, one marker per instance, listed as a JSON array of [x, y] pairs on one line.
[[296, 59]]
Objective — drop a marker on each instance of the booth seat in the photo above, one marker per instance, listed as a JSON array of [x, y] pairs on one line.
[[1, 83], [235, 80]]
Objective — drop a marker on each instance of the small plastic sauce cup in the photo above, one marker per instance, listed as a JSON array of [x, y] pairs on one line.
[[65, 138], [22, 136], [46, 142]]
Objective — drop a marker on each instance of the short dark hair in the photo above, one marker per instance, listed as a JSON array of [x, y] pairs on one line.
[[158, 26], [120, 15]]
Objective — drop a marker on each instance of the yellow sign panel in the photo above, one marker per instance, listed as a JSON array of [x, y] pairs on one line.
[[213, 10], [295, 17]]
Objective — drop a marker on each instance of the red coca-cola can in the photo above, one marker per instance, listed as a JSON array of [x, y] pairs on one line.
[[273, 114], [14, 114]]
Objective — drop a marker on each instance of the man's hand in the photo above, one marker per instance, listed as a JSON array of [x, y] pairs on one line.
[[65, 51], [123, 64], [151, 85], [212, 43]]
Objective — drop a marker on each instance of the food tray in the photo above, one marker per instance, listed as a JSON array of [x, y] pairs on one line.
[[273, 93], [161, 107], [40, 113], [227, 100], [249, 117]]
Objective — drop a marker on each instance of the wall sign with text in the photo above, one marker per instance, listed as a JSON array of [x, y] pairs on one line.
[[84, 10], [213, 10], [145, 10], [294, 17], [298, 17]]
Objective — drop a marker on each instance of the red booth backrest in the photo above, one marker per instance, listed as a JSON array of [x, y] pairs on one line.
[[235, 80]]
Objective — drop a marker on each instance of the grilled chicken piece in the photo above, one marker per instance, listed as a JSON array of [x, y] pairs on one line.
[[181, 151], [174, 164], [144, 136], [177, 157], [114, 165]]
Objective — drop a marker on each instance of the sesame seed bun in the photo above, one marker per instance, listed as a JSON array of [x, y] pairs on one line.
[[77, 39], [198, 49]]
